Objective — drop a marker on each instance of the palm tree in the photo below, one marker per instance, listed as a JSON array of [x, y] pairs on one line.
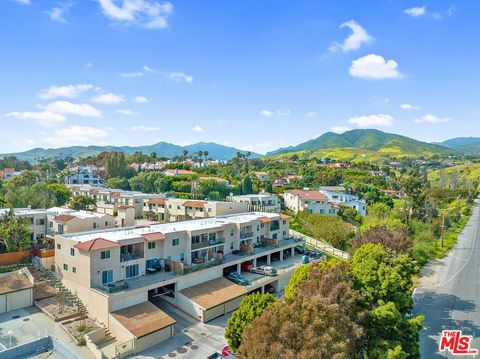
[[14, 232], [185, 154], [205, 153]]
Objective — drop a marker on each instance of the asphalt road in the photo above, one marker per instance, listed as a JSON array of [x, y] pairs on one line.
[[451, 298]]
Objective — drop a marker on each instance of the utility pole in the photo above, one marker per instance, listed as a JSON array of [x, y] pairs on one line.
[[443, 226]]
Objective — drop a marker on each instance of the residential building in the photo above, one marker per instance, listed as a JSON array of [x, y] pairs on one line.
[[339, 196], [262, 176], [84, 175], [108, 199], [65, 220], [37, 220], [8, 173], [177, 209], [310, 201], [115, 272], [260, 202]]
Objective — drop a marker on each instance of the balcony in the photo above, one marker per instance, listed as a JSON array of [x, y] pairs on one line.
[[245, 235], [124, 257], [274, 227], [209, 243]]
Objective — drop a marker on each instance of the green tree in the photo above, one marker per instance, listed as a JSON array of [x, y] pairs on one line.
[[115, 165], [247, 186], [61, 192], [251, 307], [118, 182], [14, 232], [84, 203]]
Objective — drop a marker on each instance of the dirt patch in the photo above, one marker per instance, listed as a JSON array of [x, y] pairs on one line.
[[54, 307], [79, 327]]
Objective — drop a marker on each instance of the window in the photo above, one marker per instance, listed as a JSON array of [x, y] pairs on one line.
[[195, 239], [182, 257], [95, 225], [107, 276], [40, 222], [65, 266], [59, 246], [60, 229], [284, 233], [231, 232], [51, 224], [72, 251], [258, 227], [175, 242], [284, 222], [151, 245], [231, 246], [131, 271], [104, 254], [74, 269], [107, 223]]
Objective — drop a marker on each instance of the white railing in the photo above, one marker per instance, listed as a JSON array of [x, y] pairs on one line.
[[323, 246]]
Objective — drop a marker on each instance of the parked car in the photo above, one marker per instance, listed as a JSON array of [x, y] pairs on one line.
[[247, 266], [269, 289], [215, 356], [300, 249], [265, 270], [315, 254], [238, 278], [227, 353]]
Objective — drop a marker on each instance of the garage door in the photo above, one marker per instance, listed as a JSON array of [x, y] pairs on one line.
[[3, 303], [152, 339], [214, 312], [233, 304], [20, 299]]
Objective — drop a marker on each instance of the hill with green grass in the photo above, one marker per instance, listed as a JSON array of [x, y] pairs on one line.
[[362, 144], [467, 145]]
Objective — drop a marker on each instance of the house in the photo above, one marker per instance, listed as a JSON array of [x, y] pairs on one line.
[[177, 209], [261, 176], [84, 175], [37, 221], [115, 271], [391, 193], [339, 196], [8, 173], [16, 290], [65, 220], [177, 172], [261, 202], [313, 202], [287, 180]]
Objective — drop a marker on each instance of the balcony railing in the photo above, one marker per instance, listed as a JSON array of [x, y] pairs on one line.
[[111, 287], [210, 242], [124, 257], [204, 265], [274, 227], [245, 235]]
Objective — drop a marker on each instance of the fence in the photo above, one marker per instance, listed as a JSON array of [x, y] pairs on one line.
[[13, 257], [325, 247]]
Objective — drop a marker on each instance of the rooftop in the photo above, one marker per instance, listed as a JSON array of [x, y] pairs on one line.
[[143, 319], [119, 234], [13, 282], [308, 195], [214, 292]]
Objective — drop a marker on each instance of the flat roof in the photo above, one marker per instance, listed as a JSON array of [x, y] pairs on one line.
[[213, 293], [119, 234], [13, 282], [143, 319]]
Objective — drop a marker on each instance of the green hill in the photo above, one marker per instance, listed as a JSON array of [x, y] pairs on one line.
[[367, 144], [468, 145], [162, 149]]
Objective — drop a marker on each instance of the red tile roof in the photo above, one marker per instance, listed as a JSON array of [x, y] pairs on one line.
[[197, 204], [156, 201], [308, 195], [157, 236], [284, 216], [264, 219], [95, 244], [180, 172], [64, 218], [124, 206]]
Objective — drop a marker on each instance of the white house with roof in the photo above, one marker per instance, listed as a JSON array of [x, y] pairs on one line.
[[313, 202], [261, 202], [339, 196]]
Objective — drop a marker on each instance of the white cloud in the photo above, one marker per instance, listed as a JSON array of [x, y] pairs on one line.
[[68, 91], [44, 118], [357, 38], [70, 108], [339, 129], [416, 11], [76, 135], [429, 118], [198, 128], [374, 67], [143, 128], [141, 99], [57, 12], [312, 114], [180, 77], [266, 113], [283, 112], [127, 112], [146, 13], [408, 107], [149, 69], [131, 75], [108, 98], [380, 120], [26, 2]]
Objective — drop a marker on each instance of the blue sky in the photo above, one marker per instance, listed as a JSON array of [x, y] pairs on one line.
[[254, 74]]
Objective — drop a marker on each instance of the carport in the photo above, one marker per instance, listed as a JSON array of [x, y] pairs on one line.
[[211, 299], [143, 323], [16, 290]]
